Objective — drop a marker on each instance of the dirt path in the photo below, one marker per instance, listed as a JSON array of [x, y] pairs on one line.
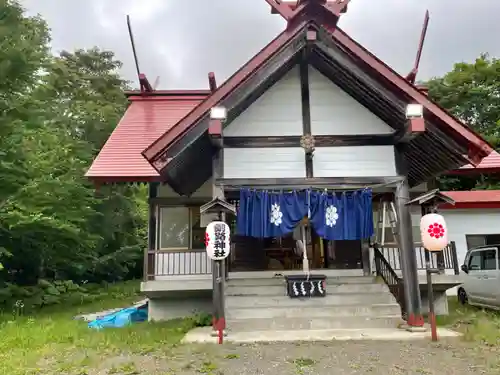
[[341, 357]]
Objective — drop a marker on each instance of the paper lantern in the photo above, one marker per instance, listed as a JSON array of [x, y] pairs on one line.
[[434, 232], [217, 242]]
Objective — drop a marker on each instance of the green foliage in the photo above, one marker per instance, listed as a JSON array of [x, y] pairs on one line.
[[472, 93], [56, 114], [24, 300]]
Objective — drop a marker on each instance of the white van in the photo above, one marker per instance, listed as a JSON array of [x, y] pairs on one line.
[[481, 285]]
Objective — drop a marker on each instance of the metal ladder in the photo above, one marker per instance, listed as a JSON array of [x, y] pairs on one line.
[[386, 210]]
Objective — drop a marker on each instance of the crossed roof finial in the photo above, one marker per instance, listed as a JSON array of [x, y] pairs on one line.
[[322, 11]]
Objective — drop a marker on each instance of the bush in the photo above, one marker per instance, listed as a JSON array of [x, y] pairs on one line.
[[26, 299]]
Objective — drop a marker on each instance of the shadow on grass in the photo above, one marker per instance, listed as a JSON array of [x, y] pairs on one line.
[[477, 325]]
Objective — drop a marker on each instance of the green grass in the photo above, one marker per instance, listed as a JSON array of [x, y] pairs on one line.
[[477, 325], [51, 342]]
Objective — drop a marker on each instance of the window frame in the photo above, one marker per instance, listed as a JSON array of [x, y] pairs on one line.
[[480, 252], [158, 213]]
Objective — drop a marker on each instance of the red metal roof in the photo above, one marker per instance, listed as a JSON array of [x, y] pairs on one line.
[[473, 199], [490, 164], [144, 121]]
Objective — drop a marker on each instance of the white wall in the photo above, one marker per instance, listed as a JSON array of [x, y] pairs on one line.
[[354, 161], [334, 112], [277, 112], [461, 222], [281, 162]]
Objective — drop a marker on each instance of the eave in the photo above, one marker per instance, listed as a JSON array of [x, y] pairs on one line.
[[429, 154]]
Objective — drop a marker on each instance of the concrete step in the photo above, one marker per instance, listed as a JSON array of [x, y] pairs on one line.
[[277, 281], [328, 300], [270, 324], [375, 310], [280, 290]]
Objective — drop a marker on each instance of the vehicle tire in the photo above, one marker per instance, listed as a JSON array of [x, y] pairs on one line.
[[462, 296]]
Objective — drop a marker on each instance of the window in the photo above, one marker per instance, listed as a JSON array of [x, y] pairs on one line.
[[475, 261], [489, 259], [476, 240], [179, 228], [174, 228], [483, 260]]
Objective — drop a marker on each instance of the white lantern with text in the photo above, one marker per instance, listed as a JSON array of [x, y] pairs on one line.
[[434, 232], [217, 242]]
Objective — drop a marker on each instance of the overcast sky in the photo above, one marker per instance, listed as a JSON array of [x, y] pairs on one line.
[[182, 40]]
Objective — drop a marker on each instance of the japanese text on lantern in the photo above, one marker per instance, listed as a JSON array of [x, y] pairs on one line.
[[219, 240]]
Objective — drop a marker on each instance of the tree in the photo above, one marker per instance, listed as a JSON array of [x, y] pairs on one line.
[[56, 113], [472, 93]]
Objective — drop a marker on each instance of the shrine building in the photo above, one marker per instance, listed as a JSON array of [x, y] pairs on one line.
[[319, 146]]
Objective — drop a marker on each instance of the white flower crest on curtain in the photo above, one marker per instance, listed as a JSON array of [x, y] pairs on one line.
[[276, 215], [331, 216]]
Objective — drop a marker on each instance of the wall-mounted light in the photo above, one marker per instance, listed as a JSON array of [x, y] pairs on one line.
[[414, 111], [218, 113]]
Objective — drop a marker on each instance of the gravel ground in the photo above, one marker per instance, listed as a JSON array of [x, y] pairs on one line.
[[341, 357]]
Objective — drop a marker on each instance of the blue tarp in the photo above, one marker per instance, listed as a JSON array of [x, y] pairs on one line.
[[121, 318]]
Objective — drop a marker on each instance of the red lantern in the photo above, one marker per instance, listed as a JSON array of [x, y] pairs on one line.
[[434, 232], [217, 243]]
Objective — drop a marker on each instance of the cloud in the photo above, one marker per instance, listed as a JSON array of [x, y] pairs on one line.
[[181, 40]]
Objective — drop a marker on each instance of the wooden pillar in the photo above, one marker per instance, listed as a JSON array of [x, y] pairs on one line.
[[150, 256], [406, 244], [215, 132], [306, 109], [365, 257]]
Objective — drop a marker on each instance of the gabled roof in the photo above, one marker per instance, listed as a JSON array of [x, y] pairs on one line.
[[368, 63], [145, 120], [473, 199], [490, 164], [183, 121]]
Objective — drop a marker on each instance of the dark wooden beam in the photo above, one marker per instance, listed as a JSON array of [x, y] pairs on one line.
[[319, 141], [331, 182], [306, 108], [179, 201], [149, 262]]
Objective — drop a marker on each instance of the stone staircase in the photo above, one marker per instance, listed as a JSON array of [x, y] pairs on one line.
[[352, 302]]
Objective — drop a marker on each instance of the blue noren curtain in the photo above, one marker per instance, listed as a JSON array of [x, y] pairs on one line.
[[265, 214], [342, 216], [334, 216]]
